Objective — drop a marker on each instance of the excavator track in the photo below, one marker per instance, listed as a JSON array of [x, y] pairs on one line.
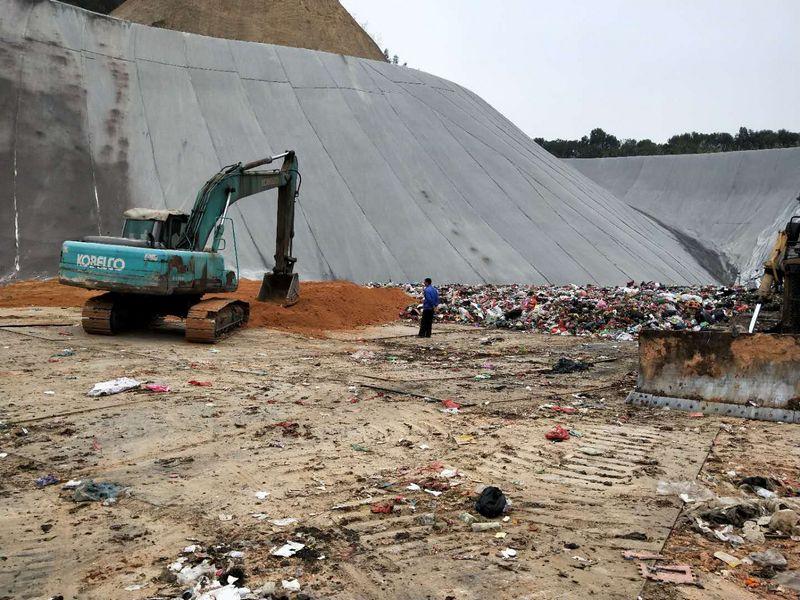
[[211, 319], [98, 315]]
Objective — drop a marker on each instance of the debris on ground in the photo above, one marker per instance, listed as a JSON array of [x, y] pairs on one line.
[[678, 574], [557, 434], [113, 386], [616, 312], [46, 480], [567, 365], [90, 491], [491, 503], [688, 491]]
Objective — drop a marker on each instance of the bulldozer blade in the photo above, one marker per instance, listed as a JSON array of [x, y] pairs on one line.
[[754, 376], [281, 287]]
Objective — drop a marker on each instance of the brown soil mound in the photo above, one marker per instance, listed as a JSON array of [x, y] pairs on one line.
[[323, 306], [315, 24]]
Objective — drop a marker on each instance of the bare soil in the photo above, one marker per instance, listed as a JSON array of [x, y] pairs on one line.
[[315, 24], [335, 428]]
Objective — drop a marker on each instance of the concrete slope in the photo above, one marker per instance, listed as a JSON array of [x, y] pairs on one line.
[[733, 203], [404, 174]]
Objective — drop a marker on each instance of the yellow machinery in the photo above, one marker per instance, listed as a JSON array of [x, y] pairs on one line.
[[746, 374]]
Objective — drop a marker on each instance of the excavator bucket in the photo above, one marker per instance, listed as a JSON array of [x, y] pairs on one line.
[[280, 287], [754, 376]]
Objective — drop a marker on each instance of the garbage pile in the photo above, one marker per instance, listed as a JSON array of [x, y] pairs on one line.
[[612, 312]]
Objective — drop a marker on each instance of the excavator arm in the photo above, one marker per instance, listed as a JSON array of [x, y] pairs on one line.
[[229, 186]]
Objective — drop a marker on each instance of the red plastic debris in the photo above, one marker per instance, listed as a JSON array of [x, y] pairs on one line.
[[157, 387], [448, 403], [557, 434], [696, 415], [200, 383], [382, 507], [564, 409]]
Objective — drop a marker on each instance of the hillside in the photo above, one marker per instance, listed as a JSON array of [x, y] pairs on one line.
[[313, 24]]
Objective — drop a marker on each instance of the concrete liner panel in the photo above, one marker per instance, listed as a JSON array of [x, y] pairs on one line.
[[257, 61], [376, 188], [159, 45], [347, 240], [54, 190], [483, 195], [489, 257], [182, 148], [394, 73], [109, 37], [124, 170], [557, 259], [304, 70], [382, 82], [13, 21], [347, 72], [10, 66], [56, 24], [209, 53]]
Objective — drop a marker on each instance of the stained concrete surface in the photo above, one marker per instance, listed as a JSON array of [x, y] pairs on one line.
[[404, 174], [729, 205]]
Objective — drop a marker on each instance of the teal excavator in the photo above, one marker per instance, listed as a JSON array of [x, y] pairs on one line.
[[165, 261]]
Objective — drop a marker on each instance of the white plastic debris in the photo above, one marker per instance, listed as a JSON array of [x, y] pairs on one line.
[[113, 386], [688, 491], [224, 517], [3, 454], [236, 554], [261, 495], [187, 576], [434, 493], [71, 484], [288, 549], [191, 549], [291, 585], [413, 487], [508, 554], [52, 393], [448, 473], [284, 522]]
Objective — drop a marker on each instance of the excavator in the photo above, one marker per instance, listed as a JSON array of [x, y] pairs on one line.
[[748, 373], [165, 261]]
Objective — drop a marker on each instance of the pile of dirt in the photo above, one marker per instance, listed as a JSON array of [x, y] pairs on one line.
[[323, 306], [314, 24]]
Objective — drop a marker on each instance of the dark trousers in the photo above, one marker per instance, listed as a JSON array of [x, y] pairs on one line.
[[426, 323]]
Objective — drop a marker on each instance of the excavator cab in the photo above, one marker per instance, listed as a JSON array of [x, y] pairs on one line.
[[158, 228]]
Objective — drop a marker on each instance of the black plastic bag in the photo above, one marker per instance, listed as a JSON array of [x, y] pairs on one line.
[[491, 502]]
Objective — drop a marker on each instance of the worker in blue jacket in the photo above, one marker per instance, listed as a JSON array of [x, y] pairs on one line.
[[429, 303]]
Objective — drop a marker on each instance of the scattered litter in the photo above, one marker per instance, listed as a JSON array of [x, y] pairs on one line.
[[197, 383], [557, 434], [426, 519], [769, 558], [360, 448], [485, 526], [432, 492], [113, 386], [642, 555], [3, 454], [46, 480], [680, 574], [382, 507], [89, 491], [491, 502], [569, 410], [568, 365], [236, 554], [466, 518], [413, 487], [508, 554], [788, 579], [71, 484], [500, 535], [50, 393], [688, 491], [224, 517], [752, 533], [291, 585], [728, 559], [157, 387], [784, 521], [288, 549], [450, 406], [590, 451], [284, 522], [261, 495]]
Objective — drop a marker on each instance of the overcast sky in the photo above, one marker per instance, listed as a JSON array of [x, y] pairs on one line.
[[636, 68]]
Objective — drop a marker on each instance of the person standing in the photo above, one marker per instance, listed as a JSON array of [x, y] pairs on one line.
[[430, 300]]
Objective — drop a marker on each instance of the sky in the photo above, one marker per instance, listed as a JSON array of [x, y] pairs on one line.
[[637, 68]]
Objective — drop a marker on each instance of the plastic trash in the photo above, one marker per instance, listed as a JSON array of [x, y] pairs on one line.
[[784, 521], [688, 491], [197, 383], [113, 386], [290, 585], [288, 549], [485, 526], [89, 491], [557, 434], [157, 387], [491, 502], [769, 558], [46, 480]]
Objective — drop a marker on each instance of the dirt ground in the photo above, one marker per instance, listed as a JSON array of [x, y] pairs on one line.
[[336, 430]]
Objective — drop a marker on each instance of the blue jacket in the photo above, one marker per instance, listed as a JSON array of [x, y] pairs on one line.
[[431, 295]]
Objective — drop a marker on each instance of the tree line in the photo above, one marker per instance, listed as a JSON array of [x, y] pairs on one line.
[[600, 144]]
